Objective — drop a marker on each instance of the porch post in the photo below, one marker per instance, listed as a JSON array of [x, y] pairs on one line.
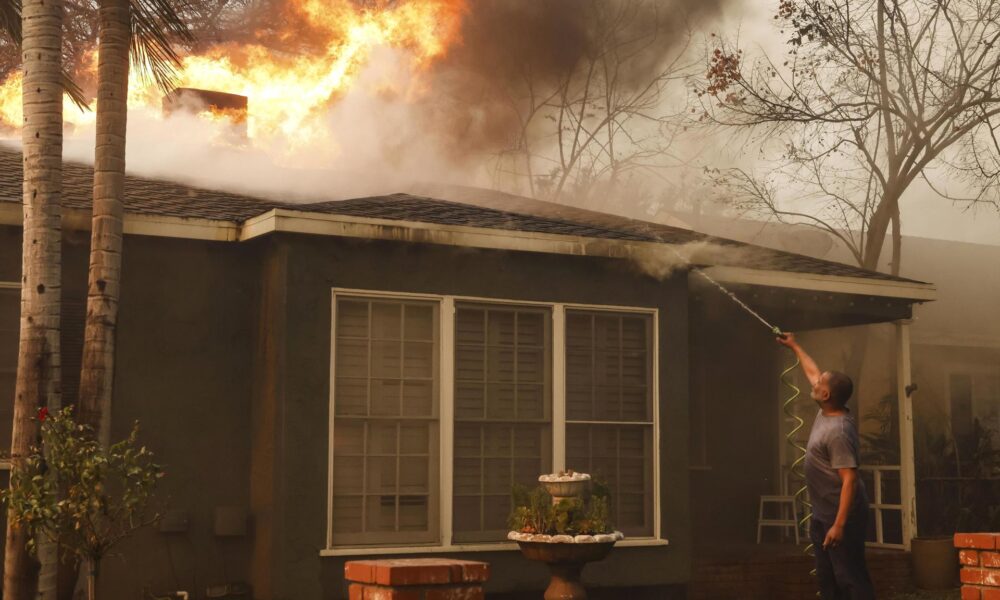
[[907, 472]]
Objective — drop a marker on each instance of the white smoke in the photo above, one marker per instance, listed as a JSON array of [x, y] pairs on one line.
[[663, 260], [369, 141]]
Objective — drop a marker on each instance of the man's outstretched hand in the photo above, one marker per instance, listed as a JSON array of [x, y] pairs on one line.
[[787, 339]]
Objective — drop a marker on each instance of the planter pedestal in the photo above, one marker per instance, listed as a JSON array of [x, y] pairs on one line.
[[566, 563]]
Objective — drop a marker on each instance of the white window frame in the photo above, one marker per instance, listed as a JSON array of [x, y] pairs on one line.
[[446, 410]]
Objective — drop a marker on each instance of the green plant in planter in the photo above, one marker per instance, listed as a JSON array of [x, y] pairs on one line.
[[534, 512], [80, 494]]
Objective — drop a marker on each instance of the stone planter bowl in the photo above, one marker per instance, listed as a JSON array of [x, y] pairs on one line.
[[556, 552], [565, 489], [566, 562]]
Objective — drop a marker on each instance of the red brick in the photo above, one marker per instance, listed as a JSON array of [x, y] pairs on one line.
[[360, 571], [991, 594], [981, 576], [463, 592], [473, 571], [970, 593], [413, 571], [969, 558], [377, 592], [990, 559], [982, 541], [356, 591]]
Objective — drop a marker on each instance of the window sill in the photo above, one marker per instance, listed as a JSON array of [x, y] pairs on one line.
[[494, 547]]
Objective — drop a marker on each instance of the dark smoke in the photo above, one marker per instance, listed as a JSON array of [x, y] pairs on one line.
[[510, 48]]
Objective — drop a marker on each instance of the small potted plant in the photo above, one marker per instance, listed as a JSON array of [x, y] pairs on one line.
[[564, 531]]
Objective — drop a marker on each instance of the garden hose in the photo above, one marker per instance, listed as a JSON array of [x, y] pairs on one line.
[[797, 468]]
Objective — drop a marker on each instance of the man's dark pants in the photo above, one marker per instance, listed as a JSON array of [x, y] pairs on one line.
[[841, 571]]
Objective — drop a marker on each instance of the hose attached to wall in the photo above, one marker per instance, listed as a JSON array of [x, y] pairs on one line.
[[797, 468]]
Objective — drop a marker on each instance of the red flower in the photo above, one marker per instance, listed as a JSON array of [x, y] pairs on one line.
[[42, 413]]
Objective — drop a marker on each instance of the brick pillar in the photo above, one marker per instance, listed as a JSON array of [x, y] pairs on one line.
[[416, 579], [979, 554]]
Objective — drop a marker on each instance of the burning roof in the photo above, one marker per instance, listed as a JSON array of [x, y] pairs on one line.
[[290, 89]]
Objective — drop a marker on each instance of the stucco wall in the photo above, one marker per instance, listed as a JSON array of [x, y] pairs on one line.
[[184, 363], [313, 266], [734, 422]]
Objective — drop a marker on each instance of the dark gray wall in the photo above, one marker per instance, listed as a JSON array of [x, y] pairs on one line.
[[185, 345], [184, 356], [734, 398], [312, 266]]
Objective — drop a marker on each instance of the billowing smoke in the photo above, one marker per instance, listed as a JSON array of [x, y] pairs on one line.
[[393, 125], [664, 260], [513, 50]]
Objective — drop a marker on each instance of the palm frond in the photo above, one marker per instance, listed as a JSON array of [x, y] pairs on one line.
[[10, 24], [75, 93], [156, 26], [10, 19]]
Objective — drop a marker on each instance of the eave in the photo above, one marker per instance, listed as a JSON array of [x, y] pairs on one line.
[[280, 220]]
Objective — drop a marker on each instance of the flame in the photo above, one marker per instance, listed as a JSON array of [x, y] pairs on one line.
[[288, 92]]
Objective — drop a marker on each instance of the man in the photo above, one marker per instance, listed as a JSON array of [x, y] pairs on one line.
[[839, 502]]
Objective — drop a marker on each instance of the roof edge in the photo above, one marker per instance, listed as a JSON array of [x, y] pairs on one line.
[[921, 292], [280, 220], [139, 224], [290, 221]]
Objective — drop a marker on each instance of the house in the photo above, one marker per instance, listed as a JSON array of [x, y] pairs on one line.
[[369, 377]]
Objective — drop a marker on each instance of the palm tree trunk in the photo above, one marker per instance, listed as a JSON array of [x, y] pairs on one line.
[[97, 374], [38, 365]]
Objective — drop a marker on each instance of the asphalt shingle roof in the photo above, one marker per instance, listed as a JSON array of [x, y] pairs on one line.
[[172, 199]]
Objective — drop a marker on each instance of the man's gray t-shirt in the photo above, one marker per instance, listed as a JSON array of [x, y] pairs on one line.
[[833, 444]]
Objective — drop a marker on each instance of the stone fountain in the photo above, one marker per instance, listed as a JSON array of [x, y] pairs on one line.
[[566, 554]]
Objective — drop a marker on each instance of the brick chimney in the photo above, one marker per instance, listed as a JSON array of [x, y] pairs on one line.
[[193, 100]]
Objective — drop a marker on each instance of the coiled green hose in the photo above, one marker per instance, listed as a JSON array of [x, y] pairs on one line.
[[797, 467]]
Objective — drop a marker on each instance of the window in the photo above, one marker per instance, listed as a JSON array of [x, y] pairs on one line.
[[385, 437], [609, 410], [502, 413], [440, 405]]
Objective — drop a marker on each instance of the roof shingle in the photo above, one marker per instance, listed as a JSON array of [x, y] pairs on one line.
[[172, 199]]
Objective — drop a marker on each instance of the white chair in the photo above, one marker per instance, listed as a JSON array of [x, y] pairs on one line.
[[783, 502]]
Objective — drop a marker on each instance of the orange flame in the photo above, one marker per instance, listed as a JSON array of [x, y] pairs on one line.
[[287, 92]]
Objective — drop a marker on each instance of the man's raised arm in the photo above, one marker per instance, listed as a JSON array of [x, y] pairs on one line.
[[812, 371]]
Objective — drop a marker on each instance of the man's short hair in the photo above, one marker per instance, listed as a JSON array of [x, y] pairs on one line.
[[841, 387]]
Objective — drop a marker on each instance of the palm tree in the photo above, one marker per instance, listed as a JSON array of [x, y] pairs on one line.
[[147, 29], [137, 31], [38, 365]]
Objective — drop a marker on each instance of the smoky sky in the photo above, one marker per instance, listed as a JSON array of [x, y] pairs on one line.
[[510, 49]]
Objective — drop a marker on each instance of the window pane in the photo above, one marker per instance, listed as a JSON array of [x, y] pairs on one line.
[[608, 367], [418, 398], [502, 407], [387, 320], [352, 319], [619, 456], [385, 460], [385, 397], [387, 359], [419, 323]]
